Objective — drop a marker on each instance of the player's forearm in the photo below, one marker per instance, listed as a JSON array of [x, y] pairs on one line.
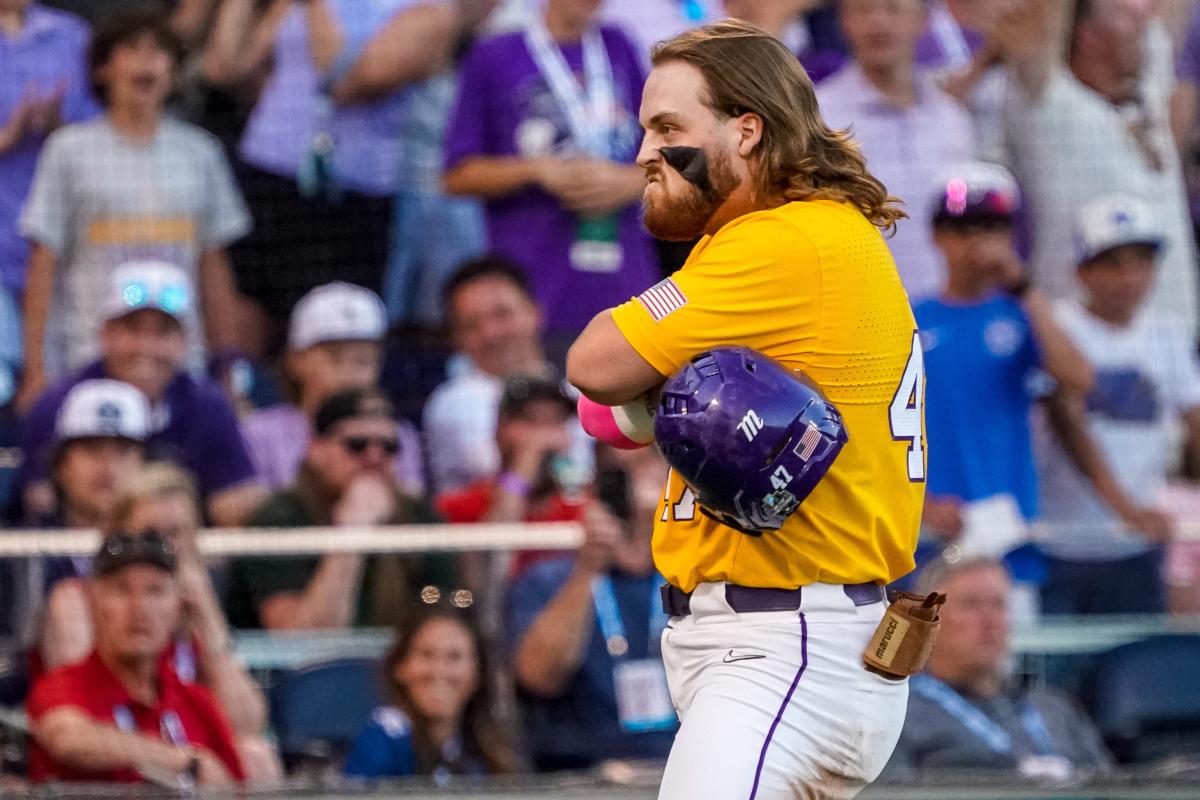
[[555, 644], [483, 176]]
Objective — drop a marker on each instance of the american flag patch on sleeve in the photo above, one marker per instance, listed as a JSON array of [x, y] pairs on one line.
[[662, 299]]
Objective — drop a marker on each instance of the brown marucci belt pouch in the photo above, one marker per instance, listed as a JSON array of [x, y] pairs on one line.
[[904, 638]]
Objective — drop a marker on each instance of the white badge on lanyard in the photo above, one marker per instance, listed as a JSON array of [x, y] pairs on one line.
[[643, 697], [591, 116]]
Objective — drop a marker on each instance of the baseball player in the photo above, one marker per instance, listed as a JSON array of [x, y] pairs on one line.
[[764, 653]]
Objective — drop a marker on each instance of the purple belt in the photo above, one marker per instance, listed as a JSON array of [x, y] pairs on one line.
[[742, 599]]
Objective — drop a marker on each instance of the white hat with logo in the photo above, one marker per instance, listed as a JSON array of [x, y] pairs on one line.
[[337, 312], [1112, 221], [157, 285], [102, 408]]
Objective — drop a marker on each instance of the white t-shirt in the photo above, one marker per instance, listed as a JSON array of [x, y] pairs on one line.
[[1073, 146], [1146, 376], [99, 199], [459, 427]]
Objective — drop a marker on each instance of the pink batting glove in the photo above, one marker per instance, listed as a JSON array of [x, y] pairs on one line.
[[627, 427]]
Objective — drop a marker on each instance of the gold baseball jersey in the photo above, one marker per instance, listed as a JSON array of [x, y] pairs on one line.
[[812, 285]]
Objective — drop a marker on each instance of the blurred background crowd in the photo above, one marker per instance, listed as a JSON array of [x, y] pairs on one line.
[[297, 263]]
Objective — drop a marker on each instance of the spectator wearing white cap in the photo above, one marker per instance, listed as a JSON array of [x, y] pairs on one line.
[[989, 340], [335, 342], [1105, 546], [97, 442], [99, 438], [143, 343]]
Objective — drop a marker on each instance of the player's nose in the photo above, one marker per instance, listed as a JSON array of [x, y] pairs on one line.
[[648, 154]]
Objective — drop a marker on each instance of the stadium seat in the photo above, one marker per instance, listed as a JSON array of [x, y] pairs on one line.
[[318, 710], [1145, 698]]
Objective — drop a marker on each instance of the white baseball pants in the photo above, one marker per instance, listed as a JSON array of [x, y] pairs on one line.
[[776, 705]]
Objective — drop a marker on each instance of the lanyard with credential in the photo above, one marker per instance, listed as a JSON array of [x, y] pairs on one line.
[[608, 616], [980, 724], [589, 114]]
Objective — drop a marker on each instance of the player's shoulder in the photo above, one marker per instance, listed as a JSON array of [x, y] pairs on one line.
[[814, 220]]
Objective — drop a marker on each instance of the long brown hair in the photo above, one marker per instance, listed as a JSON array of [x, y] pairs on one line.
[[482, 733], [799, 157]]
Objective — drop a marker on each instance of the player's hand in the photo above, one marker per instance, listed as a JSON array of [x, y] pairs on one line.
[[369, 500], [943, 516], [1150, 522], [602, 534]]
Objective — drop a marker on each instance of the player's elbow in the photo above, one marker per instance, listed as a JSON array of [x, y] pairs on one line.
[[587, 370]]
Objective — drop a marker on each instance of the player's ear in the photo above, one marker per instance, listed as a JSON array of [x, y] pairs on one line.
[[750, 132]]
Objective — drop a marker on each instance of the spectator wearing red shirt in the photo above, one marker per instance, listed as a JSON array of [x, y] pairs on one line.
[[122, 715], [538, 480]]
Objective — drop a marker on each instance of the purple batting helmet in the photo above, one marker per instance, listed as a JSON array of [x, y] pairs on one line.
[[749, 436]]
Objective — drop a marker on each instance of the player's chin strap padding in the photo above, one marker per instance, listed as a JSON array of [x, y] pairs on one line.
[[904, 639]]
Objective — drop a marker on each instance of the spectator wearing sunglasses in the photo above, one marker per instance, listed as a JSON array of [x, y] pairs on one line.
[[348, 479], [335, 342], [143, 343], [122, 715]]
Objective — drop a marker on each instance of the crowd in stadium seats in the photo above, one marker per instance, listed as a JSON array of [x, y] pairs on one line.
[[229, 227]]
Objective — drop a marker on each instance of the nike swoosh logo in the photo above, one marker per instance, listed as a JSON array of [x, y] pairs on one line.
[[730, 657]]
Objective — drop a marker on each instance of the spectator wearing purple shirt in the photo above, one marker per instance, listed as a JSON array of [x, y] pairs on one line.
[[907, 127], [42, 59], [335, 343], [545, 130], [142, 343]]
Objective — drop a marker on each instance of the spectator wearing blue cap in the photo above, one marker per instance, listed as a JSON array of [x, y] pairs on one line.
[[1099, 490], [989, 341], [143, 343]]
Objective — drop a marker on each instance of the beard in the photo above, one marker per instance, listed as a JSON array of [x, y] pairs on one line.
[[682, 217]]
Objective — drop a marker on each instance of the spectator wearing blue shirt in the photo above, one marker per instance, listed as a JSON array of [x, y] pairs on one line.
[[142, 343], [441, 717], [989, 340], [584, 632]]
